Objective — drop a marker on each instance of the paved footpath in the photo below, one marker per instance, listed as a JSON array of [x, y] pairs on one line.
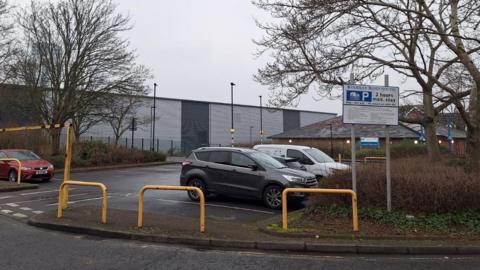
[[23, 248]]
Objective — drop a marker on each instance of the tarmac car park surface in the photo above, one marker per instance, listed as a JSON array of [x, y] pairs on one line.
[[123, 187]]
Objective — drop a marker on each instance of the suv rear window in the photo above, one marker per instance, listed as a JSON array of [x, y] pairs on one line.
[[203, 156], [222, 157]]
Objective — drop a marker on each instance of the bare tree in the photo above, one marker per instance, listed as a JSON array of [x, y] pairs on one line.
[[315, 43], [74, 55], [7, 44], [120, 113]]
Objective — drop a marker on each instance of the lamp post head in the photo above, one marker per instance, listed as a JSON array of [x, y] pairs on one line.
[[232, 84], [155, 84]]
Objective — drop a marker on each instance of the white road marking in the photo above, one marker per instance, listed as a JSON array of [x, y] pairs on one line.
[[19, 215], [5, 211], [37, 212], [5, 197], [84, 200], [12, 204], [222, 206], [40, 192], [25, 208], [44, 199]]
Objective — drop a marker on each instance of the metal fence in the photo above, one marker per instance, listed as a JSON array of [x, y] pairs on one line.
[[171, 147]]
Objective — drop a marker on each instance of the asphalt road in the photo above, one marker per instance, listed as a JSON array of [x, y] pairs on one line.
[[23, 247], [123, 186]]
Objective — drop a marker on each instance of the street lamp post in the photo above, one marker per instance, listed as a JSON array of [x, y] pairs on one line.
[[261, 120], [154, 115], [232, 129]]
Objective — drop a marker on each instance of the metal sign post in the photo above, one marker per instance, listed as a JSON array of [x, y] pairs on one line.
[[371, 105], [387, 161], [354, 160]]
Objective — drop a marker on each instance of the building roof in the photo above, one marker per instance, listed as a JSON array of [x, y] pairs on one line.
[[335, 128], [16, 87]]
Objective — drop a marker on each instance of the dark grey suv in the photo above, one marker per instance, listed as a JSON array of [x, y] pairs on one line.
[[241, 172]]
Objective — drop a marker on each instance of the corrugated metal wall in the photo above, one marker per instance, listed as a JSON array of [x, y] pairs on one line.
[[189, 124], [195, 125], [291, 120], [243, 117]]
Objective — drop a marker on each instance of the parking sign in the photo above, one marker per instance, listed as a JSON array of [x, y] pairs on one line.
[[370, 104]]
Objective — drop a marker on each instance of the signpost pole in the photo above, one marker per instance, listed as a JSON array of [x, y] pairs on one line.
[[387, 162], [354, 159]]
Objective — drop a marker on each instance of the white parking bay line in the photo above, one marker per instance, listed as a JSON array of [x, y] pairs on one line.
[[19, 215], [44, 199], [5, 197], [84, 200], [25, 208], [221, 206], [5, 211], [37, 212], [40, 192], [12, 204]]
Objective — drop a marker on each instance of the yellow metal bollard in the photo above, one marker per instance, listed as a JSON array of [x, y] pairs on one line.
[[19, 171], [320, 190], [159, 187], [62, 200]]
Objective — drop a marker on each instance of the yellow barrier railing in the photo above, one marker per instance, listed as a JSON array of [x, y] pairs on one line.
[[320, 190], [19, 171], [186, 188], [365, 159], [63, 200]]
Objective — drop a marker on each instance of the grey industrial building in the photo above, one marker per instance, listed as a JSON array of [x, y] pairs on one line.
[[187, 124]]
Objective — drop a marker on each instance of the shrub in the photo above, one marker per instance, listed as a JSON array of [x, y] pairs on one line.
[[417, 185]]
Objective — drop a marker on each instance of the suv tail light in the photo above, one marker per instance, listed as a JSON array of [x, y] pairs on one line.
[[186, 162]]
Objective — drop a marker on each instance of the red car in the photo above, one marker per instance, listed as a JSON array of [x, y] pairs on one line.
[[33, 167]]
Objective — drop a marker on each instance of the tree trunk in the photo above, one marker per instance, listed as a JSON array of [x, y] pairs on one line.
[[473, 132], [429, 125], [55, 140], [76, 133], [117, 138], [473, 150], [432, 141]]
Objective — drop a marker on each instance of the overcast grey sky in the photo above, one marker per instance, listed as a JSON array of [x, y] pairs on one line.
[[197, 47]]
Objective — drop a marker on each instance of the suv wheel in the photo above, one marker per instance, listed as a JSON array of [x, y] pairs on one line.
[[196, 182], [272, 196]]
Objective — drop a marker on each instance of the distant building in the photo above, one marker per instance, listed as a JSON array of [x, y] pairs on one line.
[[181, 125], [332, 131]]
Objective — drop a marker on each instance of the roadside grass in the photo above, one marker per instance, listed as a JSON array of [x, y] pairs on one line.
[[461, 222]]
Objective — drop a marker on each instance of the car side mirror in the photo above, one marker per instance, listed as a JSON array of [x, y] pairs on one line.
[[254, 167]]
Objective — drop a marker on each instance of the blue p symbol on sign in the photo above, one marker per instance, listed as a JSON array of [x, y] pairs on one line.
[[367, 96]]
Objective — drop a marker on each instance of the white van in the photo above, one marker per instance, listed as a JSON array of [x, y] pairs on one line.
[[314, 160]]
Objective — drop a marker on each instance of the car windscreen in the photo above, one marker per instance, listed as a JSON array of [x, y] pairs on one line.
[[23, 155], [318, 155], [266, 161]]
